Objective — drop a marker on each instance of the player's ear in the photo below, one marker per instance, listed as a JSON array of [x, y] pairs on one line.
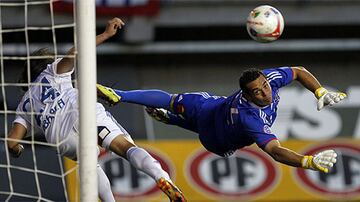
[[246, 94]]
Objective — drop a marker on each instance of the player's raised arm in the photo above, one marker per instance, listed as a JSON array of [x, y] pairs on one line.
[[111, 29], [322, 161], [66, 64], [17, 132], [324, 96]]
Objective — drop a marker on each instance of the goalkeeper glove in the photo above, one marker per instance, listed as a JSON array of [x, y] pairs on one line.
[[327, 98], [322, 161]]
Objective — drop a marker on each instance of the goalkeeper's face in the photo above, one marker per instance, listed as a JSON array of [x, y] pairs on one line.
[[259, 91]]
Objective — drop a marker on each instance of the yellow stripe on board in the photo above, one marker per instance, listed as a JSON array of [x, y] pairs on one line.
[[72, 181]]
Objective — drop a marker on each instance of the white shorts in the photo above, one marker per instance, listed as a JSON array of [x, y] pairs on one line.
[[107, 129], [69, 145]]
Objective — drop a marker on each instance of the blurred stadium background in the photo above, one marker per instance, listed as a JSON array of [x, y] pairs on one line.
[[202, 45]]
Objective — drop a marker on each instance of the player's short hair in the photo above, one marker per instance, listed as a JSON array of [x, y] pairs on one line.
[[248, 76], [36, 66]]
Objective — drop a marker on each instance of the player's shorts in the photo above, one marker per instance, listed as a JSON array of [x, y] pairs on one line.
[[198, 110], [68, 146], [107, 128]]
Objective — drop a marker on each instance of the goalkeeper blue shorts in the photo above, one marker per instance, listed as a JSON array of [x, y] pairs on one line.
[[199, 111]]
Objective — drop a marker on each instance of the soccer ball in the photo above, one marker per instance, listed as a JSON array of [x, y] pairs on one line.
[[265, 24]]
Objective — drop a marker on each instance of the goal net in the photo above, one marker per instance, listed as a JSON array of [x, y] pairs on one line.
[[40, 173]]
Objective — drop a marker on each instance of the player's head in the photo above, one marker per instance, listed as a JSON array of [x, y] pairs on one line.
[[256, 87], [36, 66]]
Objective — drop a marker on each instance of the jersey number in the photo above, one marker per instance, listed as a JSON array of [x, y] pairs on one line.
[[48, 91]]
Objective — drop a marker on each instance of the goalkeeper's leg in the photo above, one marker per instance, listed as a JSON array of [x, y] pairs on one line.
[[151, 98], [168, 117]]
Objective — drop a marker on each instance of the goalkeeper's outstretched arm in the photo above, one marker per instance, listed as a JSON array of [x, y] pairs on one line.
[[67, 64], [322, 161], [309, 81]]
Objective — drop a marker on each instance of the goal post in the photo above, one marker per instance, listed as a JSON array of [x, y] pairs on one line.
[[39, 173], [86, 57]]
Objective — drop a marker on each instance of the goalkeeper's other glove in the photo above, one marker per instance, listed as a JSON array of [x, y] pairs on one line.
[[327, 98], [322, 161]]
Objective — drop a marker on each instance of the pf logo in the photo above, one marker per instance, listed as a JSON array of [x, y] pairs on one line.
[[344, 178], [247, 173], [128, 182]]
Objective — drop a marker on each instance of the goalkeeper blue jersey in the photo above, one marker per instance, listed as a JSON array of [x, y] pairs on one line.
[[226, 124]]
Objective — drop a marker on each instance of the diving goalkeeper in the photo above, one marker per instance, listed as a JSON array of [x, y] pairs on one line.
[[225, 124]]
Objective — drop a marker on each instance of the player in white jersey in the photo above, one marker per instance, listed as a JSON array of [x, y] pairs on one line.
[[50, 107]]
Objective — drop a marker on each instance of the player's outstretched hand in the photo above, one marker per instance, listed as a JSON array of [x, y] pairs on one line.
[[327, 98], [322, 161], [17, 150], [112, 26]]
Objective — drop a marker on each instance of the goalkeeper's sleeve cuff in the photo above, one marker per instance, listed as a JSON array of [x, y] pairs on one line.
[[320, 92], [306, 162]]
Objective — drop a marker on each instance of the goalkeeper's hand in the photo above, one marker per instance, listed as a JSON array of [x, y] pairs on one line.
[[17, 150], [327, 98], [322, 161]]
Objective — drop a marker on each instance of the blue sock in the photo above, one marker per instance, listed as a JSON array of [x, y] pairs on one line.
[[150, 98]]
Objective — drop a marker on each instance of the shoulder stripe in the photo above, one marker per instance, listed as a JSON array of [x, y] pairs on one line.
[[276, 77], [205, 95], [273, 75], [273, 72]]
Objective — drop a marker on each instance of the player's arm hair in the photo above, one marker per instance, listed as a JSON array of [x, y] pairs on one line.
[[67, 64], [282, 154], [305, 78], [17, 132]]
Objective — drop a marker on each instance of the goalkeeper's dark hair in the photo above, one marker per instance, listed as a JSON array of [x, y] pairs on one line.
[[248, 76], [36, 66]]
